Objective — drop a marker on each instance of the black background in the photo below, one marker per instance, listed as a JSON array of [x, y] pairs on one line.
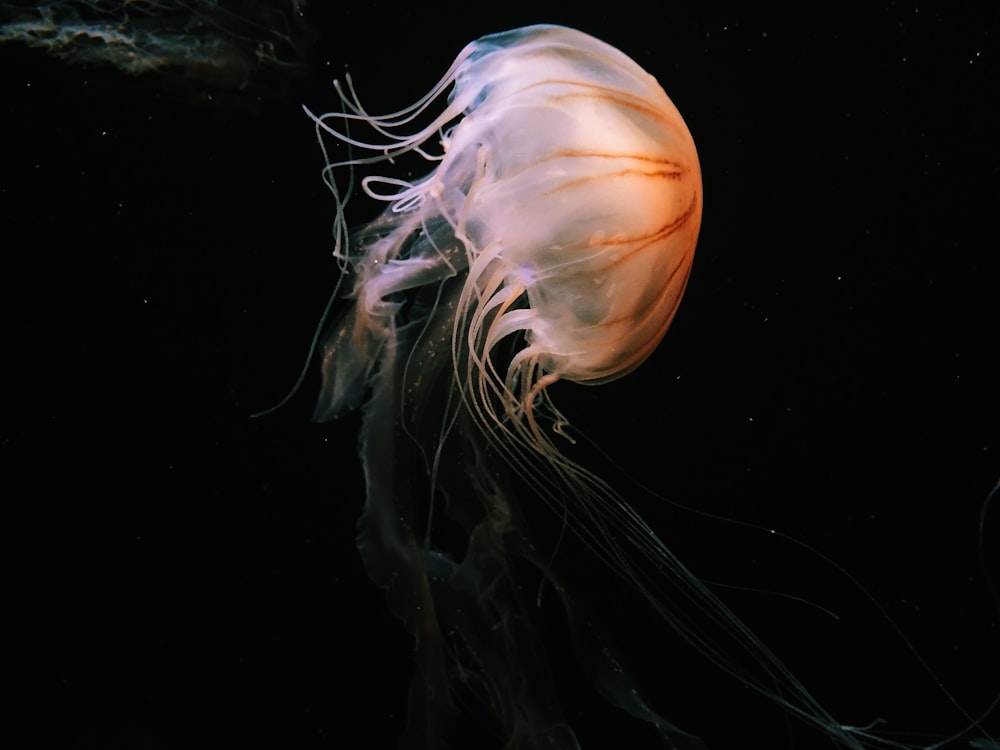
[[183, 576]]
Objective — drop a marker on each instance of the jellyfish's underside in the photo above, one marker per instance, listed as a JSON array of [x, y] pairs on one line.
[[552, 242]]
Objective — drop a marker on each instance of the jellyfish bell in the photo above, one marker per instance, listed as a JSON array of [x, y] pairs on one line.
[[572, 185]]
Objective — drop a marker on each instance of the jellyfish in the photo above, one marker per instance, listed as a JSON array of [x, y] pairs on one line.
[[552, 241]]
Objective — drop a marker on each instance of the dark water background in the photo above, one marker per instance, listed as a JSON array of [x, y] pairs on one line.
[[182, 576]]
